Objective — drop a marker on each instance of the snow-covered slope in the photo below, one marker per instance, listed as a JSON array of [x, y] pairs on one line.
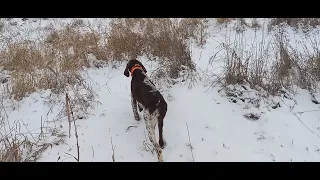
[[202, 124]]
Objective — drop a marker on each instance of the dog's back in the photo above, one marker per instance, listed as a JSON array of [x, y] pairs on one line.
[[145, 92]]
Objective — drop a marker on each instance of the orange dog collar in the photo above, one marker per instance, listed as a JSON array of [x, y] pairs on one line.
[[136, 66]]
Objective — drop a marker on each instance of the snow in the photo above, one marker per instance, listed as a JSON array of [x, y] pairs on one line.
[[202, 123]]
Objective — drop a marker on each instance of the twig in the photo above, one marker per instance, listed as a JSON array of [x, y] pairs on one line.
[[299, 119], [130, 127], [92, 152], [35, 141], [75, 128], [72, 156], [190, 142], [300, 112], [41, 133], [68, 113], [224, 146], [76, 134], [113, 159], [273, 159], [36, 154]]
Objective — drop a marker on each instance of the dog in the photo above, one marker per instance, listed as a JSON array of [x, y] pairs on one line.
[[145, 94]]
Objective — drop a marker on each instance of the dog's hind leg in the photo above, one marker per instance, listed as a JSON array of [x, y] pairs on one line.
[[162, 113], [151, 121], [134, 108], [160, 127]]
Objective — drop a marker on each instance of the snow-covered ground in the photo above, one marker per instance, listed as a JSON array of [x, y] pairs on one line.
[[203, 123]]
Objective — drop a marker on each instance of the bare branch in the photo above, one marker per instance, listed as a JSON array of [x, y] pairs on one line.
[[190, 142], [299, 119], [75, 128], [130, 127], [68, 113], [92, 152], [113, 159], [273, 159]]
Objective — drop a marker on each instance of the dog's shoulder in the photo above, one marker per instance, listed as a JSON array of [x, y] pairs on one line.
[[147, 81], [144, 84]]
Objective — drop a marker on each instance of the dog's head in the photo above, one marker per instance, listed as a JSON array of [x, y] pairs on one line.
[[131, 64]]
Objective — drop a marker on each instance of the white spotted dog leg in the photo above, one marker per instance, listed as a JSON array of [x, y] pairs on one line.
[[134, 108], [151, 121]]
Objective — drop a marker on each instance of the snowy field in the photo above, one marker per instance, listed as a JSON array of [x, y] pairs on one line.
[[203, 123]]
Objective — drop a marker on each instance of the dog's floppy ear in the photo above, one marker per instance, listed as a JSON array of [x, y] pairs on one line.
[[144, 69], [126, 72]]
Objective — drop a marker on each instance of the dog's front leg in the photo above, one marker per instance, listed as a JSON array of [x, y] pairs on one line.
[[134, 108]]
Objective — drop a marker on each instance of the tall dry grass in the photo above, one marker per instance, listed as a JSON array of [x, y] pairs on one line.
[[273, 65], [18, 145], [55, 62], [304, 24], [165, 40]]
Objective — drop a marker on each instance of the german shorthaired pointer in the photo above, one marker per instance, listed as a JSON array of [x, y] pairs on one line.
[[149, 99]]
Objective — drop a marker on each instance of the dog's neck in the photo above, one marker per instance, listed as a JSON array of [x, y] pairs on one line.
[[135, 67]]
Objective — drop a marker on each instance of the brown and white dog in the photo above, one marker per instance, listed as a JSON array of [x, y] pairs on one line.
[[149, 99]]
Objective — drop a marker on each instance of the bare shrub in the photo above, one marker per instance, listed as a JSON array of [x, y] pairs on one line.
[[258, 66], [308, 63], [283, 66], [288, 67], [236, 62], [252, 65], [17, 146], [296, 67], [237, 70]]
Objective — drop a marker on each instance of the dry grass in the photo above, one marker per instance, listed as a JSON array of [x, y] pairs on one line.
[[305, 24], [241, 24], [55, 62], [224, 20], [17, 146], [52, 64], [164, 40], [1, 26], [286, 67], [254, 65]]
